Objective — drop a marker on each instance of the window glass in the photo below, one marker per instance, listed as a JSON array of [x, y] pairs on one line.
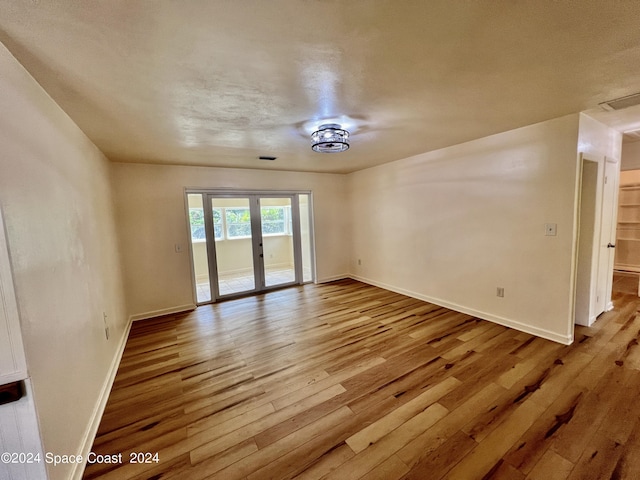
[[196, 218], [217, 223], [238, 222], [274, 220]]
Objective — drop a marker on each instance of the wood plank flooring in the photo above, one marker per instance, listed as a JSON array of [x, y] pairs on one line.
[[349, 381]]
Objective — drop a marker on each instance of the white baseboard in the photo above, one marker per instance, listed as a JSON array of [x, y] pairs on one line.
[[539, 332], [236, 271], [92, 429], [164, 311], [204, 278], [582, 323], [280, 266]]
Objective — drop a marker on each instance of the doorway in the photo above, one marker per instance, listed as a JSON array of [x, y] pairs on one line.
[[249, 242], [627, 258], [594, 274]]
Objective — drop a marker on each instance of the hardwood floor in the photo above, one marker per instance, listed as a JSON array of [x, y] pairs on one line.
[[348, 381]]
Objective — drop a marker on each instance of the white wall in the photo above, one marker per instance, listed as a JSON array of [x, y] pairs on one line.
[[56, 198], [151, 219], [631, 156], [596, 138], [450, 226]]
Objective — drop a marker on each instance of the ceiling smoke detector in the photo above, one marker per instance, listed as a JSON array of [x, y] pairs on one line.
[[330, 138]]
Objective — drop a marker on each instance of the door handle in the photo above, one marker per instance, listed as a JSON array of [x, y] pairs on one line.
[[611, 245]]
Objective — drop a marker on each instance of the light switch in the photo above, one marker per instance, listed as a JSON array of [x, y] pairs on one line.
[[178, 247], [550, 229]]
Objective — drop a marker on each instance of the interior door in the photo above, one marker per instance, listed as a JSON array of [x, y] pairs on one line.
[[607, 234], [597, 198], [603, 237]]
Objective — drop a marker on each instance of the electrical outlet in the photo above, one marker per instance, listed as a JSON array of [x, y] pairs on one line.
[[500, 291], [550, 229], [178, 248]]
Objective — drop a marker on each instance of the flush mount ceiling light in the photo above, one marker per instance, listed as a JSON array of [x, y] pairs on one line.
[[330, 138]]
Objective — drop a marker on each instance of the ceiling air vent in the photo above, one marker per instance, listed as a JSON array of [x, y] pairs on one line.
[[629, 137], [620, 103]]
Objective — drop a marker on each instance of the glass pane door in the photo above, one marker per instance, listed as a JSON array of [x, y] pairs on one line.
[[233, 245], [244, 242], [277, 241], [199, 248]]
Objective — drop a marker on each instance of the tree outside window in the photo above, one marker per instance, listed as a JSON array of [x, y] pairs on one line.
[[274, 220], [238, 222], [235, 222], [196, 221]]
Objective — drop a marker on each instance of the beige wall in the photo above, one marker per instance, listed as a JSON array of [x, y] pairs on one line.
[[56, 198], [597, 139], [631, 156], [451, 226], [151, 219]]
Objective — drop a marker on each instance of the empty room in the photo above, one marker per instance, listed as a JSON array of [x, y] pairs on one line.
[[319, 240]]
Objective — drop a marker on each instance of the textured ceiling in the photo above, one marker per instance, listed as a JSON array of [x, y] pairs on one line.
[[222, 82]]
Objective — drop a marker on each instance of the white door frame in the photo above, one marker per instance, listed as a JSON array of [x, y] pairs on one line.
[[612, 173], [254, 197], [594, 270]]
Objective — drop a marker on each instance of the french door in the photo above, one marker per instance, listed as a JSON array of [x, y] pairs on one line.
[[249, 242]]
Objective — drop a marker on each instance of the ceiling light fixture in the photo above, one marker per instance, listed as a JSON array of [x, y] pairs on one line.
[[330, 138]]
